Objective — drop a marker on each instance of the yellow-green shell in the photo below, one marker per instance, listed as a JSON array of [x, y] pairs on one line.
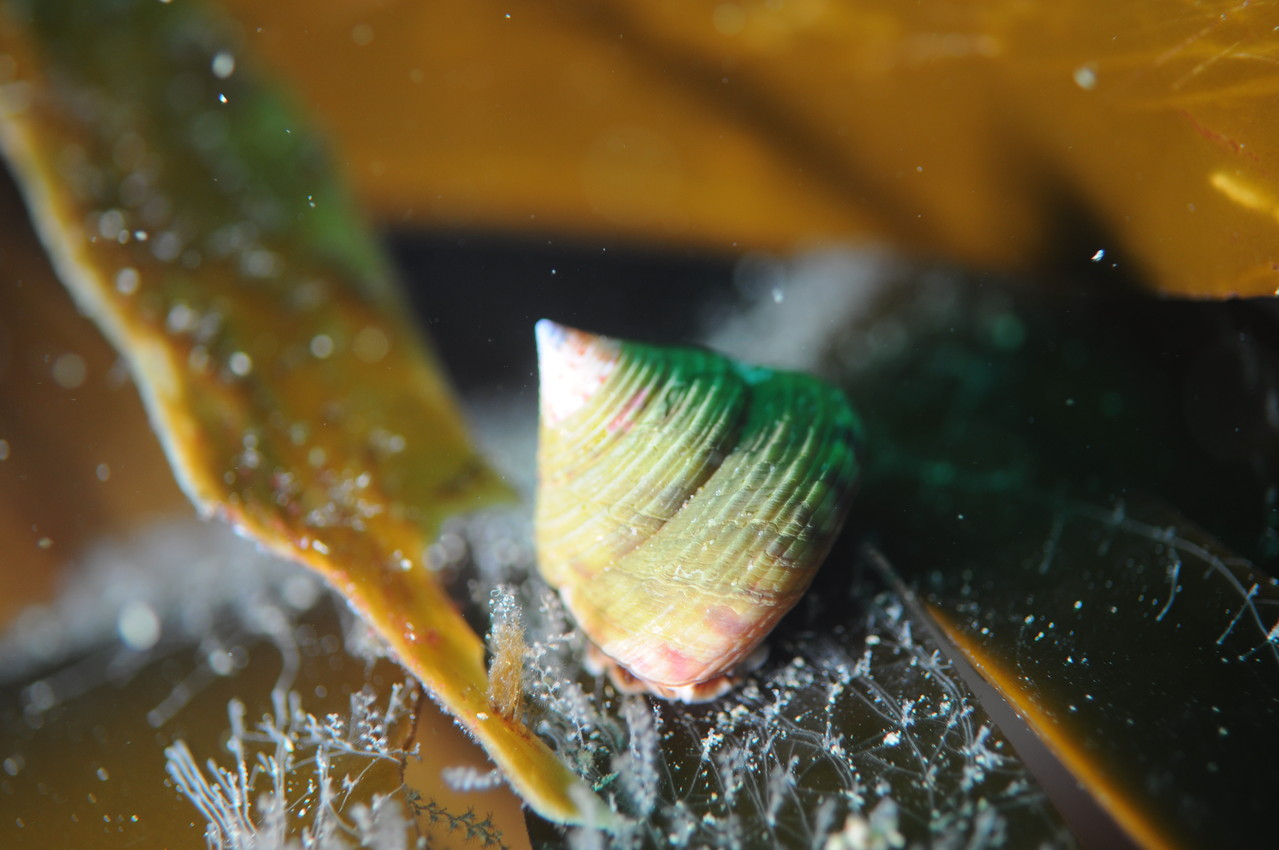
[[685, 500]]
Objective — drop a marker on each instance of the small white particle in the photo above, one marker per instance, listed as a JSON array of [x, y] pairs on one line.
[[103, 472], [69, 370], [1086, 77], [260, 263], [198, 359], [319, 547], [180, 319], [110, 223], [41, 696], [102, 774], [138, 625], [220, 662], [301, 592], [223, 64], [1099, 255], [167, 246], [45, 543], [321, 345], [240, 364], [221, 98], [371, 344], [1079, 603]]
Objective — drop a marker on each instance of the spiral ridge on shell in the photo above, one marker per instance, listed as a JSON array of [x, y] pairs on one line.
[[685, 500]]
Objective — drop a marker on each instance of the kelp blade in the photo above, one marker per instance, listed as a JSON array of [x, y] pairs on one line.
[[994, 133], [196, 220]]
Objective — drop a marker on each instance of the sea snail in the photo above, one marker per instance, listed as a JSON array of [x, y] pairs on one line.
[[684, 501]]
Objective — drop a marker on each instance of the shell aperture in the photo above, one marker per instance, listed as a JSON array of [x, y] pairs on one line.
[[684, 501]]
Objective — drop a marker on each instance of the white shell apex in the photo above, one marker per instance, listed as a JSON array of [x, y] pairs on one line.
[[573, 366]]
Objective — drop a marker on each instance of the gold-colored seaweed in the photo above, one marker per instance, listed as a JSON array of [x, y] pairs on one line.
[[197, 223], [992, 133]]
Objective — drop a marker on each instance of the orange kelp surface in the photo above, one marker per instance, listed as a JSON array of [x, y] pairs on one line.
[[994, 133]]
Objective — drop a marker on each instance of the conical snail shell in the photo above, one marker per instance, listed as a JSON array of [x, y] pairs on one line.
[[684, 500]]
